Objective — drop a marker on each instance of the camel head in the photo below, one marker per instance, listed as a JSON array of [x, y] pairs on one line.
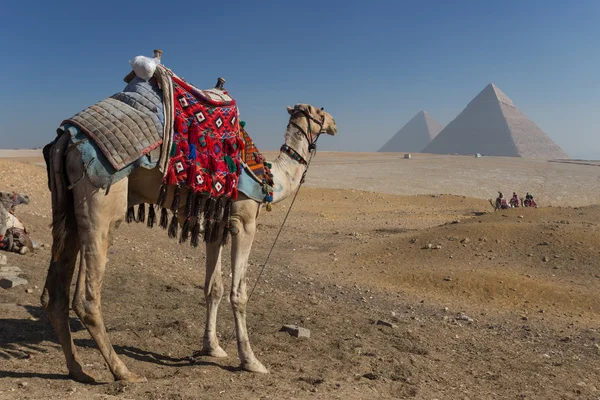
[[312, 120], [11, 199]]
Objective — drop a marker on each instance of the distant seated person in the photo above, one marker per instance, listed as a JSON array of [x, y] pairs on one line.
[[529, 202], [515, 200]]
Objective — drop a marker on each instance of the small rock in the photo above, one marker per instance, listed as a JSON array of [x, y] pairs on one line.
[[544, 244], [8, 282], [23, 384], [546, 355], [447, 279], [370, 376], [556, 256], [465, 240], [428, 246], [521, 217], [438, 247], [385, 323], [29, 291], [8, 270], [529, 255], [545, 259], [463, 317], [296, 331], [2, 259]]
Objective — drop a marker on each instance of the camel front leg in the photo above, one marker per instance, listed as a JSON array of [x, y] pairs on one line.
[[213, 292], [243, 230]]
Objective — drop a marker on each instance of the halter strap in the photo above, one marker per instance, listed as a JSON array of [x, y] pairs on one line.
[[312, 142], [294, 155]]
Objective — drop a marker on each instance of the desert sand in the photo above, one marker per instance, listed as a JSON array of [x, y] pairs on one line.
[[502, 306]]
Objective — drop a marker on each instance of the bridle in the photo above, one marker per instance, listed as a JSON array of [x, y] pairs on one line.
[[312, 140]]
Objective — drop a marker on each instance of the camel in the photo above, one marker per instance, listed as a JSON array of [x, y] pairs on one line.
[[12, 199], [84, 216], [10, 225]]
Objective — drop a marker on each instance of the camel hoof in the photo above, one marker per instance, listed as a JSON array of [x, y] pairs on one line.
[[254, 366], [82, 376], [216, 352], [131, 377]]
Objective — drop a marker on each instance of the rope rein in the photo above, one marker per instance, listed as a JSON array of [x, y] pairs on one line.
[[312, 153]]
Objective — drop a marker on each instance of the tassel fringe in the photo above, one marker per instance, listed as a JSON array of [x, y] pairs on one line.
[[151, 216], [173, 226], [162, 196], [185, 231], [195, 241], [227, 228], [202, 214], [141, 213], [209, 210], [130, 216], [164, 218], [189, 204], [176, 199]]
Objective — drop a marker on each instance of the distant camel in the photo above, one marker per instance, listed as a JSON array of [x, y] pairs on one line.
[[8, 202], [12, 230]]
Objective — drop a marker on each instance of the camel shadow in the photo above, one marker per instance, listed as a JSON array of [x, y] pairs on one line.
[[156, 358], [22, 338]]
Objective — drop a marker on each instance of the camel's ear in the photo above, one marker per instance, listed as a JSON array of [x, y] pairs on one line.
[[290, 110]]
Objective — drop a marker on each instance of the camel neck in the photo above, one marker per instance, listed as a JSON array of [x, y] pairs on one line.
[[287, 171]]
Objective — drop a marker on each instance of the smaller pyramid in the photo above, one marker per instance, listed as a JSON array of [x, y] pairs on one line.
[[415, 135]]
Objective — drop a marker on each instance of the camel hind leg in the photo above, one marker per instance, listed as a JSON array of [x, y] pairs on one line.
[[95, 212], [55, 300], [55, 296]]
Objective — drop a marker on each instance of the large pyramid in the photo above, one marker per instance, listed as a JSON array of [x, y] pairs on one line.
[[492, 126], [415, 135]]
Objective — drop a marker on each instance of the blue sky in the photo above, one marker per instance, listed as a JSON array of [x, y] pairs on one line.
[[373, 64]]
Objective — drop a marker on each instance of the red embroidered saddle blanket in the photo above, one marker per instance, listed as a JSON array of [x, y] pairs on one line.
[[204, 162], [206, 150]]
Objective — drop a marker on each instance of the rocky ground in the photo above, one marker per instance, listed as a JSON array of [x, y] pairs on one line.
[[424, 297]]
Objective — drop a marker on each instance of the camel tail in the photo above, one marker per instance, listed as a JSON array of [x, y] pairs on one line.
[[62, 199]]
